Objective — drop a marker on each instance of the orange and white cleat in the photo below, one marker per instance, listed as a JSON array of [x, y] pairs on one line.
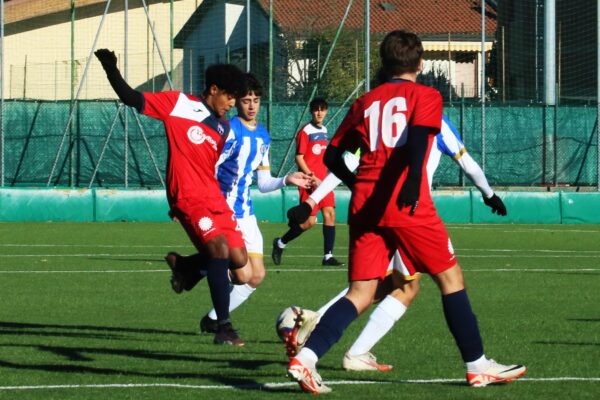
[[364, 362], [495, 373], [308, 378]]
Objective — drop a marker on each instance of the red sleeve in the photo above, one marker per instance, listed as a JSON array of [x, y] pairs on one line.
[[159, 105], [428, 109], [345, 136], [301, 142]]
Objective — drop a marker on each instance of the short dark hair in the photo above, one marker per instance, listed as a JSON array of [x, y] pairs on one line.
[[226, 77], [251, 85], [318, 103], [400, 52]]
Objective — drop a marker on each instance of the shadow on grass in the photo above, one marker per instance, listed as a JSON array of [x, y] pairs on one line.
[[22, 328]]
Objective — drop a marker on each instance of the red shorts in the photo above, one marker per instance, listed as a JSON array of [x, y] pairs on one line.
[[204, 219], [423, 248], [328, 201]]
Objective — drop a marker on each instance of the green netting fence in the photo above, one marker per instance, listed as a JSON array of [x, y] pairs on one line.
[[524, 146]]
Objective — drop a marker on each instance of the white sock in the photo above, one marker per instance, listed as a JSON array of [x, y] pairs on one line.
[[322, 310], [381, 320], [238, 295], [307, 357], [280, 244], [479, 365], [327, 256]]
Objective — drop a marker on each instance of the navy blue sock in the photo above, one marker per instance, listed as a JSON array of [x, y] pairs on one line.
[[218, 282], [331, 326], [328, 238], [292, 234], [463, 325], [195, 268]]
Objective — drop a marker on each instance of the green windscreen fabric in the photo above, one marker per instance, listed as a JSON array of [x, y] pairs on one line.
[[523, 146]]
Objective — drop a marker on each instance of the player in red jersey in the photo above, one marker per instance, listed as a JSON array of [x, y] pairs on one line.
[[311, 142], [196, 133], [391, 210]]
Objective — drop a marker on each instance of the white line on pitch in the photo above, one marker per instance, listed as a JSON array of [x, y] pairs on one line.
[[278, 384], [344, 270], [159, 256]]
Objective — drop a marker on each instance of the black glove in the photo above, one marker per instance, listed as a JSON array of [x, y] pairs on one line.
[[409, 194], [496, 204], [299, 214], [107, 59]]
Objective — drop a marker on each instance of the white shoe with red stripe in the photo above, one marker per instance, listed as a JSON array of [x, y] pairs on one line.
[[308, 378], [364, 362], [495, 373]]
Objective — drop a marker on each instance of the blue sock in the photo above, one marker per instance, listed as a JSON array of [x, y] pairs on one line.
[[292, 234], [331, 326], [218, 282], [328, 238], [463, 325]]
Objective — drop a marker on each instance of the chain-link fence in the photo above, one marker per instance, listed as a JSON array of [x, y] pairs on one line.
[[527, 69]]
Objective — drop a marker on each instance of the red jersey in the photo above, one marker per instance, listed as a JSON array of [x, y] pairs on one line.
[[311, 142], [377, 123], [196, 137]]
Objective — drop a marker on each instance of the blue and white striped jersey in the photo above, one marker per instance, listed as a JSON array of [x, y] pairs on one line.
[[244, 152], [446, 142]]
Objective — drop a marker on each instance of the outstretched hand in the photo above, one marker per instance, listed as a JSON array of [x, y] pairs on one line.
[[299, 179], [496, 204], [107, 58]]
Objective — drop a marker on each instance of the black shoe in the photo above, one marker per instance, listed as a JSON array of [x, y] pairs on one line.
[[227, 335], [177, 278], [277, 252], [299, 214], [208, 325], [332, 262]]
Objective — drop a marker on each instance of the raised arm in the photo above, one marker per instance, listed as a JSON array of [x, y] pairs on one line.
[[126, 93]]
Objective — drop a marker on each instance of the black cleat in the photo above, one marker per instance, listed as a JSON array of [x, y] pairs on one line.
[[299, 214], [332, 262], [208, 325], [277, 252], [177, 278], [227, 335]]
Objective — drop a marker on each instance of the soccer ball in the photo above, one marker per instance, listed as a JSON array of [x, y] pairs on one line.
[[302, 320], [287, 320]]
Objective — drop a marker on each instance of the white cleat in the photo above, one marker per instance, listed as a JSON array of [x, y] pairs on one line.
[[364, 362], [308, 378], [495, 373]]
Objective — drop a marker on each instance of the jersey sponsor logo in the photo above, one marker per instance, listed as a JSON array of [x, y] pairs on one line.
[[197, 136], [206, 225], [318, 148]]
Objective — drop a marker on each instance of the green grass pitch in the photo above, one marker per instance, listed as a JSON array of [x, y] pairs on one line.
[[87, 313]]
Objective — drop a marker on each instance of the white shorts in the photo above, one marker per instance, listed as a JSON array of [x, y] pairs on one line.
[[251, 235], [398, 265]]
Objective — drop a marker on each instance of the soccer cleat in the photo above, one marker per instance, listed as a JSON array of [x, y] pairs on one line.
[[495, 373], [208, 325], [332, 262], [177, 278], [363, 362], [299, 214], [227, 335], [308, 378], [277, 252]]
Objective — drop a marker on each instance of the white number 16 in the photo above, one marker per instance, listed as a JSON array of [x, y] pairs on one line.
[[393, 123]]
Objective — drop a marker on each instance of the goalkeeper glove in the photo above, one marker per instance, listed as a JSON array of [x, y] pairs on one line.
[[496, 204], [107, 58], [409, 194]]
